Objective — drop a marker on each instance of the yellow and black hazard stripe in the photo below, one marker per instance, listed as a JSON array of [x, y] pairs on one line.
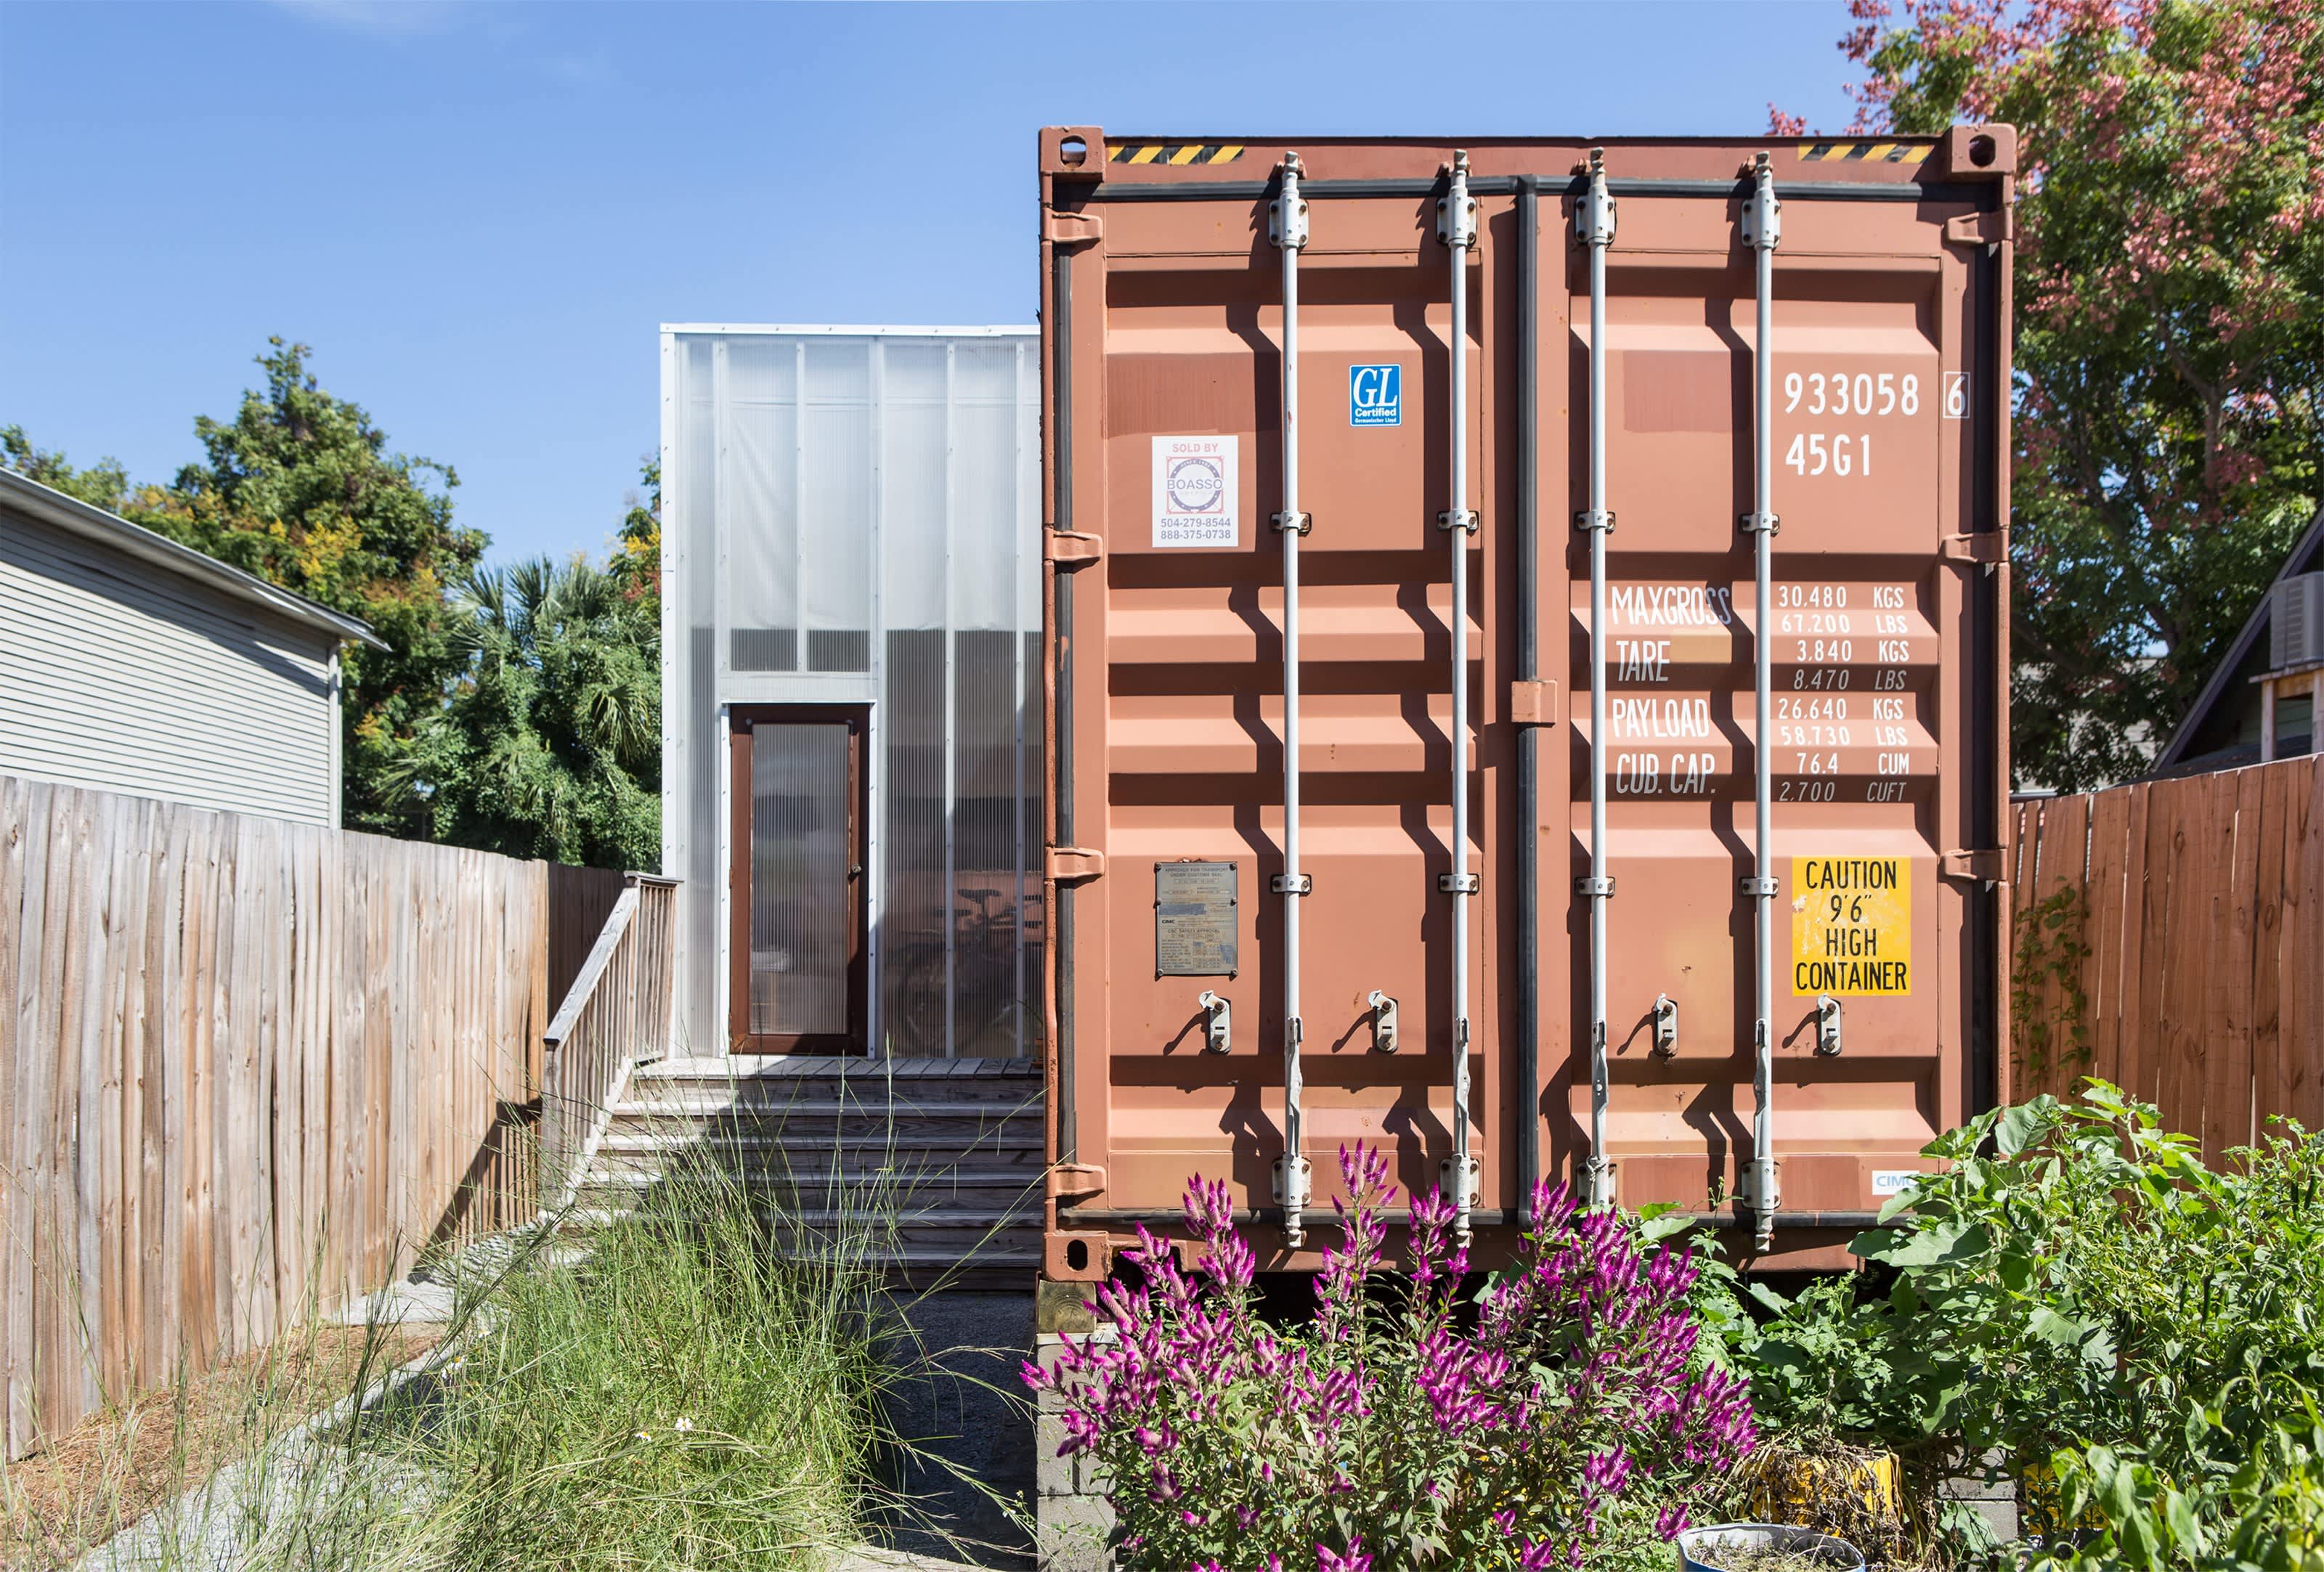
[[1173, 152], [1870, 153]]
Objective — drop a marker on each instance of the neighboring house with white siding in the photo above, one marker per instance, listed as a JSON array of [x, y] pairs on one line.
[[129, 662]]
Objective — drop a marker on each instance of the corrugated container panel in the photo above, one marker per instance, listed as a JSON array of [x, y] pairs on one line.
[[122, 678], [1165, 328]]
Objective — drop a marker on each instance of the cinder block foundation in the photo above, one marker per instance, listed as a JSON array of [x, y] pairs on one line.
[[1073, 1519]]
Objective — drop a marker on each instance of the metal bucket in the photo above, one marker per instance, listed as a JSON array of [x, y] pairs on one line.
[[1698, 1548]]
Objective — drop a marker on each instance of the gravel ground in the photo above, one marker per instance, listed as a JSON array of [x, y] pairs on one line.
[[977, 1340]]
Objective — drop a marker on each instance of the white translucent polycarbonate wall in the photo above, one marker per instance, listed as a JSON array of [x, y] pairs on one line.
[[852, 518]]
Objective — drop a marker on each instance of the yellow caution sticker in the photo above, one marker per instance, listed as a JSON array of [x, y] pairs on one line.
[[1851, 925]]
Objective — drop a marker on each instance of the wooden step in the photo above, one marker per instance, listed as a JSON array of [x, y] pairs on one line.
[[767, 1080], [982, 1238], [958, 1129], [947, 1172], [1014, 1150]]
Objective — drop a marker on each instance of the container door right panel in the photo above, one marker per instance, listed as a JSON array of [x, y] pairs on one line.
[[1870, 457]]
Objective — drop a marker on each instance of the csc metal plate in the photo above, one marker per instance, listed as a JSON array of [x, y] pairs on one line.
[[1194, 919]]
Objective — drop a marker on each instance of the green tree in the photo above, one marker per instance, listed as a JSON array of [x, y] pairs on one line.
[[2169, 329], [551, 745], [299, 488]]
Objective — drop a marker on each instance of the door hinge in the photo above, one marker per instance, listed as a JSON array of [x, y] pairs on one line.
[[1070, 228], [1068, 863], [1533, 701], [1071, 547], [1998, 227], [1989, 547], [1982, 866], [1073, 1180]]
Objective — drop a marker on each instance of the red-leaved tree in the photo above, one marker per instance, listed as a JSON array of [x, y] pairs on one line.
[[2170, 327]]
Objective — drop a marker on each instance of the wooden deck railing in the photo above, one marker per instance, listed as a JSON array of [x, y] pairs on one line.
[[615, 1016]]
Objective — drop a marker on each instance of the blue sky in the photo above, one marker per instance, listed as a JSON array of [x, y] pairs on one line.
[[477, 214]]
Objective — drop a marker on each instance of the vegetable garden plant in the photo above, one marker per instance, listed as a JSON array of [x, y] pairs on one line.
[[2133, 1335]]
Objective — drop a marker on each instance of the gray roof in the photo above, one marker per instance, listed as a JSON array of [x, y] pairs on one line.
[[2223, 673], [53, 508]]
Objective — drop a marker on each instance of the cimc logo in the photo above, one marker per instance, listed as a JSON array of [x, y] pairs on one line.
[[1375, 395]]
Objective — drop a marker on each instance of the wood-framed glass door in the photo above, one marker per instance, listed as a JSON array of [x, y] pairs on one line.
[[795, 948]]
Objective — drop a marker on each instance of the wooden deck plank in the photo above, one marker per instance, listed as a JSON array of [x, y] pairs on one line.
[[2228, 1070], [2103, 898], [16, 859], [2144, 1061], [2303, 944]]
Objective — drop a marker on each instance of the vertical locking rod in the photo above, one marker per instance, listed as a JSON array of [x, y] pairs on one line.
[[1457, 228], [1593, 222], [1290, 227], [1761, 230]]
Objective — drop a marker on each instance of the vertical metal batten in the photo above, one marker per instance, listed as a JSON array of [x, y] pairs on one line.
[[1761, 230], [951, 724], [1289, 223], [1528, 640], [721, 650], [1988, 785], [875, 758], [1457, 228], [1017, 690], [1061, 308], [1593, 222]]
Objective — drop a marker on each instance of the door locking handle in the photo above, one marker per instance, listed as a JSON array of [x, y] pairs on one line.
[[1383, 1021], [1218, 1031], [1827, 1024]]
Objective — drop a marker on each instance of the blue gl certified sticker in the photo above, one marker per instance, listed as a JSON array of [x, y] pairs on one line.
[[1376, 395]]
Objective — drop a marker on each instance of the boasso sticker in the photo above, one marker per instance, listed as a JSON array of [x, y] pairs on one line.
[[1851, 925], [1195, 491]]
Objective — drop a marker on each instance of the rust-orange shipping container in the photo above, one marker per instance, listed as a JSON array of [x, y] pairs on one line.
[[1527, 648]]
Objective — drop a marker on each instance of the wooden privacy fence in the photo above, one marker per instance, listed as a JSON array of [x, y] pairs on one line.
[[615, 1015], [246, 1067], [2170, 938], [580, 900]]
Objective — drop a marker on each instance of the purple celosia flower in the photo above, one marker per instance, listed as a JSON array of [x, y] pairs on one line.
[[1580, 1367]]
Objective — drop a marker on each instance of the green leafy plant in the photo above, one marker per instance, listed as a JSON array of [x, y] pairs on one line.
[[2049, 1008], [2264, 1515], [550, 743], [2077, 1292]]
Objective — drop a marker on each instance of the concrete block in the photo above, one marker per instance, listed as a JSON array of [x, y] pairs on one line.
[[1073, 1536], [1988, 1485], [1053, 1474]]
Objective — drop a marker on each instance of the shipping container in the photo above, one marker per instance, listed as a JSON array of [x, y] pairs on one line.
[[1525, 634]]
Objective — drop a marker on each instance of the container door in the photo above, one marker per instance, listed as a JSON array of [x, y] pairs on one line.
[[1872, 455], [1178, 697], [798, 879]]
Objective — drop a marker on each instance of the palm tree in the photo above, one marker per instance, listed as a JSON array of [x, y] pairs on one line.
[[550, 744]]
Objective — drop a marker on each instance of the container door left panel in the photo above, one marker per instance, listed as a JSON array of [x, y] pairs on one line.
[[795, 946]]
